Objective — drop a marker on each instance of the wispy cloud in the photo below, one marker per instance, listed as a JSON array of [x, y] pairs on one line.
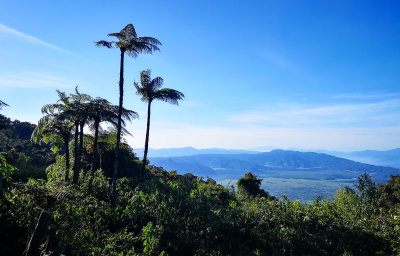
[[35, 80], [378, 113], [10, 31], [366, 96]]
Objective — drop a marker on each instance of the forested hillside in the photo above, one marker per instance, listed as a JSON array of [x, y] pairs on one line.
[[163, 213], [31, 159]]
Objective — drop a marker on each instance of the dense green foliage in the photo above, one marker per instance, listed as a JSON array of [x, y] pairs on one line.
[[249, 185], [30, 159], [162, 213]]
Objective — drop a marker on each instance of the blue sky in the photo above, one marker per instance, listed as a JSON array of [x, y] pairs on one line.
[[256, 74]]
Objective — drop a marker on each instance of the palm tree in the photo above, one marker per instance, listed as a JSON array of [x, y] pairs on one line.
[[79, 114], [55, 128], [150, 90], [129, 43], [101, 110], [73, 108]]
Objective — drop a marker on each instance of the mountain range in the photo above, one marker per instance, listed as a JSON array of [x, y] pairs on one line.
[[320, 173], [190, 151], [390, 158]]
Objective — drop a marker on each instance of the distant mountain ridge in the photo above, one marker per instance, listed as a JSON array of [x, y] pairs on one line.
[[190, 151], [299, 175], [388, 158], [263, 163]]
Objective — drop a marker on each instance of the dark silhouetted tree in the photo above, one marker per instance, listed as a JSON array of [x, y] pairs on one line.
[[128, 42], [249, 185], [150, 89]]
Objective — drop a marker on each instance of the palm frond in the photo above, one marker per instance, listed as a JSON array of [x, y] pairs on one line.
[[149, 40], [169, 95], [80, 97], [51, 108], [3, 104], [128, 114], [102, 43], [62, 97], [145, 78], [129, 31], [156, 83], [117, 35], [141, 91], [134, 48]]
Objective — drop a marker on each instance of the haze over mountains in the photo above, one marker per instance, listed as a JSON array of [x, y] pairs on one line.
[[390, 158], [190, 151], [299, 175], [375, 157]]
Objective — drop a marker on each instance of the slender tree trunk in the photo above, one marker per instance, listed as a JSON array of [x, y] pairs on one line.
[[81, 125], [66, 139], [39, 234], [76, 153], [146, 144], [95, 147], [95, 164], [121, 99]]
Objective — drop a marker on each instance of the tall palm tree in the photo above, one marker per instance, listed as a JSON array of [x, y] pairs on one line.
[[128, 42], [101, 110], [150, 89]]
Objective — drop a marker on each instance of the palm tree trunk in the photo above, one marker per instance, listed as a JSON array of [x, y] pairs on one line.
[[146, 144], [95, 164], [81, 125], [66, 158], [76, 153], [121, 99], [95, 147]]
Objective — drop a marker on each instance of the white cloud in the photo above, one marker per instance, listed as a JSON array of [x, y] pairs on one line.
[[379, 113], [35, 80], [10, 31], [343, 127]]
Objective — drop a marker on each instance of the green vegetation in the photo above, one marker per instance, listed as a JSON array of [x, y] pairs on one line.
[[116, 204], [249, 185], [30, 159], [162, 213]]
